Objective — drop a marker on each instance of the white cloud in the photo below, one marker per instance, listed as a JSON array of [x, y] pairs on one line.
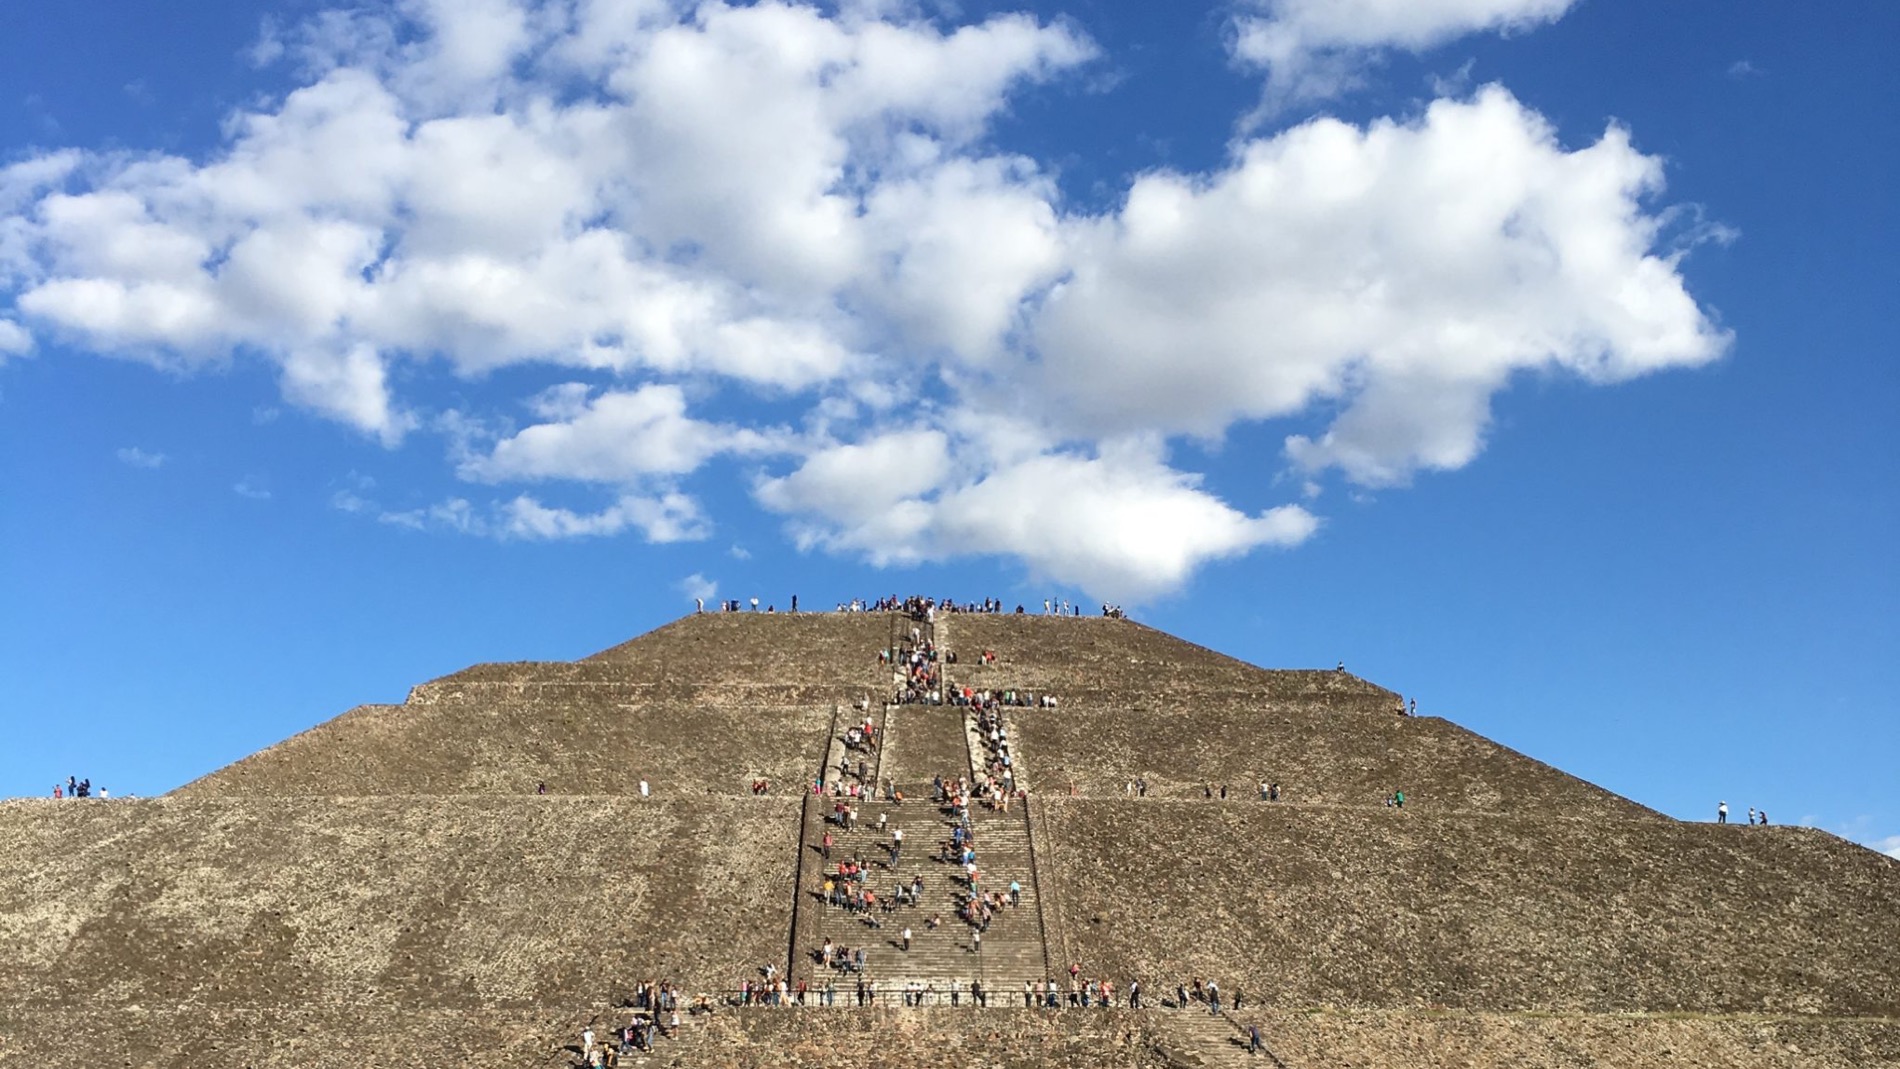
[[698, 588], [21, 182], [1406, 270], [350, 386], [770, 207], [668, 517], [252, 489], [1120, 523], [1313, 49], [865, 482], [617, 437], [1889, 846], [139, 458], [964, 245], [453, 514], [14, 339]]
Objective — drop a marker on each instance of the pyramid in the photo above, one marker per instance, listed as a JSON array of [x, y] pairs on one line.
[[473, 876]]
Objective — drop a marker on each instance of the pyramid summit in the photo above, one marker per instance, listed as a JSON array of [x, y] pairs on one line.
[[888, 812]]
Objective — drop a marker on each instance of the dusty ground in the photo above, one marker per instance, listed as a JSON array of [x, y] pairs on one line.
[[377, 1037]]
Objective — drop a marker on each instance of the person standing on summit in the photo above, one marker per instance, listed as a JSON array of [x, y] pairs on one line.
[[1721, 812]]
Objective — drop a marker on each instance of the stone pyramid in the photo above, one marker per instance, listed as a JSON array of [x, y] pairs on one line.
[[392, 887]]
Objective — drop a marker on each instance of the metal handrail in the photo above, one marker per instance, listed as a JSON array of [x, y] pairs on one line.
[[1035, 874], [804, 846]]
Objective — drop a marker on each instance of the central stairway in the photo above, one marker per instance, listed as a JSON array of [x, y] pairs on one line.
[[1011, 950], [920, 744]]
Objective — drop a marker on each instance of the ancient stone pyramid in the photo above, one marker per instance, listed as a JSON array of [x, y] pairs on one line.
[[389, 888]]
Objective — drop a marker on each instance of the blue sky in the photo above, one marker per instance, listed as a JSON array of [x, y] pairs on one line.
[[1526, 354]]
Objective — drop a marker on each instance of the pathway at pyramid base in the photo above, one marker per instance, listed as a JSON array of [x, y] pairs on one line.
[[379, 1037], [388, 889]]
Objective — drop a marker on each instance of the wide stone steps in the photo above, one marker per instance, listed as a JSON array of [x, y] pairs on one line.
[[1215, 1039], [1012, 948]]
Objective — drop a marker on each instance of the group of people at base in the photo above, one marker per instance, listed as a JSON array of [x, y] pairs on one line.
[[653, 1013]]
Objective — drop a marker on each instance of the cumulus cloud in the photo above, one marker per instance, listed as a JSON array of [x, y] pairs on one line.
[[14, 339], [135, 457], [1119, 522], [617, 437], [659, 221], [1318, 48], [1889, 846], [1403, 270]]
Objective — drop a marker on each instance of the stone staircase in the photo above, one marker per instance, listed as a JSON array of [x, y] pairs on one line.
[[1210, 1039], [1011, 951], [919, 743]]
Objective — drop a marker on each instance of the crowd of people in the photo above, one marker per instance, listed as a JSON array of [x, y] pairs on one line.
[[653, 1013], [925, 608], [858, 989], [918, 678], [1011, 697], [75, 787], [847, 883], [999, 772]]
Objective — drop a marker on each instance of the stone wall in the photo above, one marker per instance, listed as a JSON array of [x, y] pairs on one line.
[[1400, 908], [1316, 755], [500, 740], [416, 902]]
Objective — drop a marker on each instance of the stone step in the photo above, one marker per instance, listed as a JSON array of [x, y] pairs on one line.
[[1220, 1039]]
